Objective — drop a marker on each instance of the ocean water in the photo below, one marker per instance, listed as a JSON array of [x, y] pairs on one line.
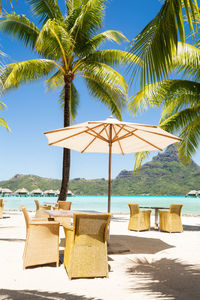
[[119, 204]]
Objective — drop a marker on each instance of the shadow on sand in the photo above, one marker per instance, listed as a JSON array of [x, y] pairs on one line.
[[126, 244], [120, 244], [167, 279], [37, 295]]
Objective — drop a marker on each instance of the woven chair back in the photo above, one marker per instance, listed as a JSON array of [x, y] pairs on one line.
[[134, 209], [91, 227], [26, 216], [37, 204], [176, 209], [66, 205], [1, 202]]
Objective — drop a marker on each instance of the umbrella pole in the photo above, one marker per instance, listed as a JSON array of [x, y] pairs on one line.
[[109, 168]]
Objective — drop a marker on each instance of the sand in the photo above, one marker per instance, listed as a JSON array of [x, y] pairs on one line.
[[143, 265]]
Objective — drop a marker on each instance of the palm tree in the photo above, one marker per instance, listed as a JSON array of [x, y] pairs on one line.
[[69, 49], [179, 99], [158, 41]]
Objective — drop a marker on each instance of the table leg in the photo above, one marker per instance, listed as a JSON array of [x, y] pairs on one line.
[[156, 218]]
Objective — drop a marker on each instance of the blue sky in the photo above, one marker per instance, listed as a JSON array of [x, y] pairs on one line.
[[32, 111]]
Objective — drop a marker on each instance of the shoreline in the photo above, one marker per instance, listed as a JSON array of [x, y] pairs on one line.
[[113, 213]]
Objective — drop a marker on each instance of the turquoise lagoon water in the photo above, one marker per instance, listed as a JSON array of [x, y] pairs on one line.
[[119, 204]]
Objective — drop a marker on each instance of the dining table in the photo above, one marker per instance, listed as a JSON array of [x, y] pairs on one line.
[[65, 217], [156, 208]]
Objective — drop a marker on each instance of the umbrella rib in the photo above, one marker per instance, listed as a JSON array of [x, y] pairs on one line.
[[91, 141], [105, 127], [132, 133], [96, 134], [147, 142], [68, 137], [161, 134], [125, 136], [116, 134]]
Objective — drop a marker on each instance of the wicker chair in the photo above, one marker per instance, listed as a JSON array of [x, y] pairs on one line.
[[66, 205], [40, 210], [139, 220], [170, 221], [1, 208], [42, 242], [85, 252]]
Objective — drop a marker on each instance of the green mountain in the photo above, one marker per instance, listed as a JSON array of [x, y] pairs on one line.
[[164, 175]]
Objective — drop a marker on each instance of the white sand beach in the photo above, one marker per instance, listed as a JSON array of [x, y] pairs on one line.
[[143, 265]]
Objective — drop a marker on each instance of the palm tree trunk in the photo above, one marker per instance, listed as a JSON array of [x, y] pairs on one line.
[[66, 152]]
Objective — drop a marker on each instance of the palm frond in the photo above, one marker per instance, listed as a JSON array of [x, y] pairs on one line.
[[112, 57], [55, 81], [110, 95], [46, 9], [4, 124], [181, 119], [107, 74], [20, 27], [26, 71], [54, 41], [190, 141], [109, 35], [157, 42], [168, 93], [89, 19], [139, 158], [186, 61], [73, 5]]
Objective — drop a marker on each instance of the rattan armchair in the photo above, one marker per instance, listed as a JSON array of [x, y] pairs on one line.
[[85, 252], [1, 208], [139, 219], [66, 205], [40, 210], [42, 242], [170, 221]]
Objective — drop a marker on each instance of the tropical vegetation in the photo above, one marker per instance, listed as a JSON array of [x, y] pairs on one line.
[[156, 44], [164, 175], [179, 99], [69, 48]]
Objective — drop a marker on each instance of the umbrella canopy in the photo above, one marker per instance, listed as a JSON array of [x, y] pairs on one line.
[[111, 136]]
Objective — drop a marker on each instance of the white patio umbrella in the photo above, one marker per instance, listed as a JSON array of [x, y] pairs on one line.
[[111, 136]]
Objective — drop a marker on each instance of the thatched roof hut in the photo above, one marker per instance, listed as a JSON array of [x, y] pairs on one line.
[[22, 191], [49, 193], [192, 193], [36, 192], [6, 191]]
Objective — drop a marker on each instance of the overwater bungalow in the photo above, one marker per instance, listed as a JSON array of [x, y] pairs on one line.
[[69, 193], [22, 192], [37, 192], [192, 193], [49, 193], [6, 192]]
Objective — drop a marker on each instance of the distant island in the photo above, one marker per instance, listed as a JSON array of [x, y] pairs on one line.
[[164, 175]]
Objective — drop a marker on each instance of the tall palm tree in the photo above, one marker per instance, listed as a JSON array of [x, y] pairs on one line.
[[179, 99], [158, 41], [69, 47]]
